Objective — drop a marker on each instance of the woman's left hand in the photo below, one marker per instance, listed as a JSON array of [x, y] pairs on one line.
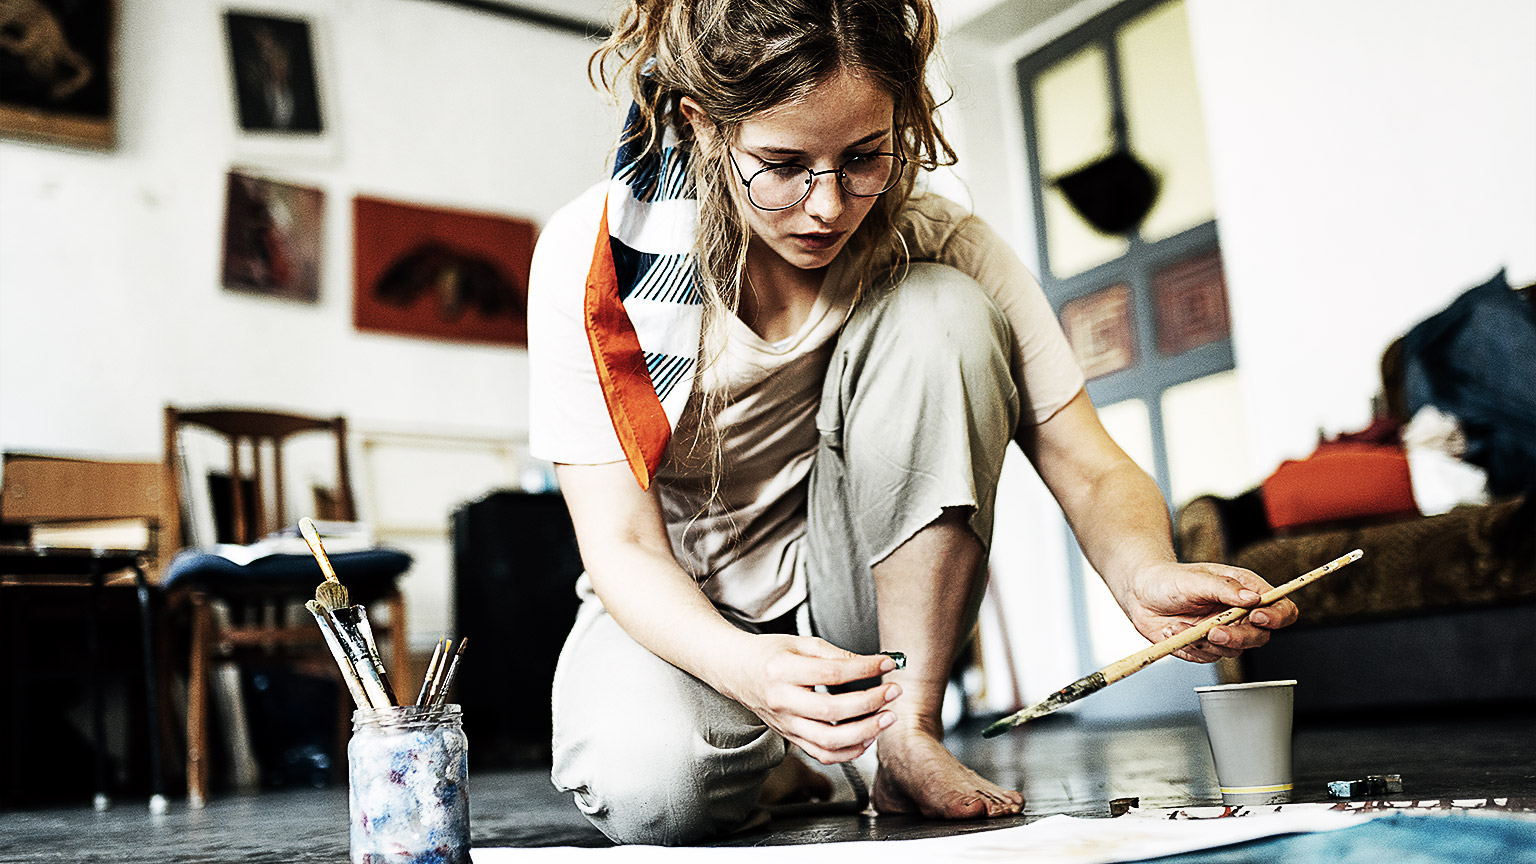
[[1166, 599]]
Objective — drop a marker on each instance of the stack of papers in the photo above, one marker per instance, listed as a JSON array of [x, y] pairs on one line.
[[337, 537]]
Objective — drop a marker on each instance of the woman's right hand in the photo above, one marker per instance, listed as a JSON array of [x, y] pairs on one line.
[[777, 676]]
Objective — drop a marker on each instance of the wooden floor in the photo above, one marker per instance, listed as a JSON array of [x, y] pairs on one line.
[[1062, 766]]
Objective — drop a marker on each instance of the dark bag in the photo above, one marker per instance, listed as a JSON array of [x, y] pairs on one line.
[[1476, 360]]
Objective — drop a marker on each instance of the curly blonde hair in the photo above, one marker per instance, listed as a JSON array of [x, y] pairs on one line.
[[740, 58]]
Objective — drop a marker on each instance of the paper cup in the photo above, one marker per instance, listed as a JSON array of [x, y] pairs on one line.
[[1249, 726]]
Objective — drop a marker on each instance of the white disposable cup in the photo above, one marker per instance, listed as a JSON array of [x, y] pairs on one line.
[[1249, 726]]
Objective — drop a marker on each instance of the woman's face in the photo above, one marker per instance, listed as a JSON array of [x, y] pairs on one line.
[[846, 116]]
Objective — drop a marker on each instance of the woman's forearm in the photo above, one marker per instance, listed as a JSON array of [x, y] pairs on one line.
[[1115, 510], [1121, 522], [628, 557], [661, 607]]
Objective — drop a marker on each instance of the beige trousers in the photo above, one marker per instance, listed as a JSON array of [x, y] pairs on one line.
[[916, 414]]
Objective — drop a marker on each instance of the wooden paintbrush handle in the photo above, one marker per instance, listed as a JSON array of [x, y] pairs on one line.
[[312, 538], [1157, 651]]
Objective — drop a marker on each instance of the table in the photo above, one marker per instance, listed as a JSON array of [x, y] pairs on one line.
[[31, 564]]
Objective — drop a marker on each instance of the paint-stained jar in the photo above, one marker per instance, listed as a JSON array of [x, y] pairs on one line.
[[408, 769]]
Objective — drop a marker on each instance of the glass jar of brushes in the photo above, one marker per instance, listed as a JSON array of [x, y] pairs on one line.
[[408, 769]]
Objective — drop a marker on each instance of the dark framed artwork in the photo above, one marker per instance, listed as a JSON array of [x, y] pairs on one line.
[[440, 273], [57, 77], [274, 71], [273, 238]]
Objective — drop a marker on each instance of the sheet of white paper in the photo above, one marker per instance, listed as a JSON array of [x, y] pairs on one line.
[[1055, 839]]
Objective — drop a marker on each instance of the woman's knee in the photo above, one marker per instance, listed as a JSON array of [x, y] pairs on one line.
[[667, 788], [685, 766], [934, 307], [633, 799]]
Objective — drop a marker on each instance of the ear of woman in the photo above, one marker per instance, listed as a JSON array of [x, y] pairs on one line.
[[703, 127]]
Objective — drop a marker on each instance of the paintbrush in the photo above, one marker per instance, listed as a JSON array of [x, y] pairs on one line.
[[350, 621], [453, 670], [442, 669], [366, 630], [1152, 653], [333, 640], [426, 682], [331, 593]]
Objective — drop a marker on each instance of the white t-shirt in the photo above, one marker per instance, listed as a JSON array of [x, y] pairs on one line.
[[743, 543]]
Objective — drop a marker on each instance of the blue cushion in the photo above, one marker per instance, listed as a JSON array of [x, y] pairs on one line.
[[367, 574]]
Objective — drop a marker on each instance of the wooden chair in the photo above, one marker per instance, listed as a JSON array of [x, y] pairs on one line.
[[269, 589]]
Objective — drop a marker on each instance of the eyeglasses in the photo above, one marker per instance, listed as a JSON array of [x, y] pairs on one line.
[[780, 187]]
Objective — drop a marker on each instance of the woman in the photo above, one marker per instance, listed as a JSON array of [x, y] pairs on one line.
[[778, 389]]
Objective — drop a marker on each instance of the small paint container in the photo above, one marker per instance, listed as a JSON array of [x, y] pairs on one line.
[[408, 768]]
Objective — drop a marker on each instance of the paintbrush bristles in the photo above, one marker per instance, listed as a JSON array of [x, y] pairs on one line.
[[331, 593], [1049, 705]]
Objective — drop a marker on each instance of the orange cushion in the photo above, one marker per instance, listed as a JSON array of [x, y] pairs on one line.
[[1340, 481]]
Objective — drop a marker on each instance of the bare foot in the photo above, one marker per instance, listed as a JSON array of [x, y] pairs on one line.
[[917, 775], [793, 782]]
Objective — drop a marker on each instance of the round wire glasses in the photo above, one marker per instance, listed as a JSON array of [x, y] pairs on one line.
[[782, 186]]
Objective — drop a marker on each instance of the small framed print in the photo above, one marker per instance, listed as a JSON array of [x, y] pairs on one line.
[[272, 238], [1101, 331], [278, 85], [1191, 302]]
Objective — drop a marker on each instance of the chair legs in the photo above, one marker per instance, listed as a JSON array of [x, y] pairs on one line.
[[197, 702], [157, 802], [198, 684]]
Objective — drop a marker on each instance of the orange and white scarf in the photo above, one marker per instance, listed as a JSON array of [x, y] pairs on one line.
[[643, 310]]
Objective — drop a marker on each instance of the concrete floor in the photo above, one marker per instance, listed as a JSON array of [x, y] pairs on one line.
[[1063, 767]]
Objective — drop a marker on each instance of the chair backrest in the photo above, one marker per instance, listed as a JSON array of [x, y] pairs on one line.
[[254, 497]]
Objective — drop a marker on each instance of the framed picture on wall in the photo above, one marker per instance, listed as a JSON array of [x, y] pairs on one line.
[[278, 85], [272, 65], [273, 238], [57, 80], [440, 274]]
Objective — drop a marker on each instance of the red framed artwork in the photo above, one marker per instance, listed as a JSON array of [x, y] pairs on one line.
[[439, 273]]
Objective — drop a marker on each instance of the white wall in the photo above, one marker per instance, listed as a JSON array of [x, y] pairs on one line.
[[110, 304], [1371, 159]]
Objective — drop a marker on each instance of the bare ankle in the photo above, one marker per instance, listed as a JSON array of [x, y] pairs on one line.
[[908, 727]]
